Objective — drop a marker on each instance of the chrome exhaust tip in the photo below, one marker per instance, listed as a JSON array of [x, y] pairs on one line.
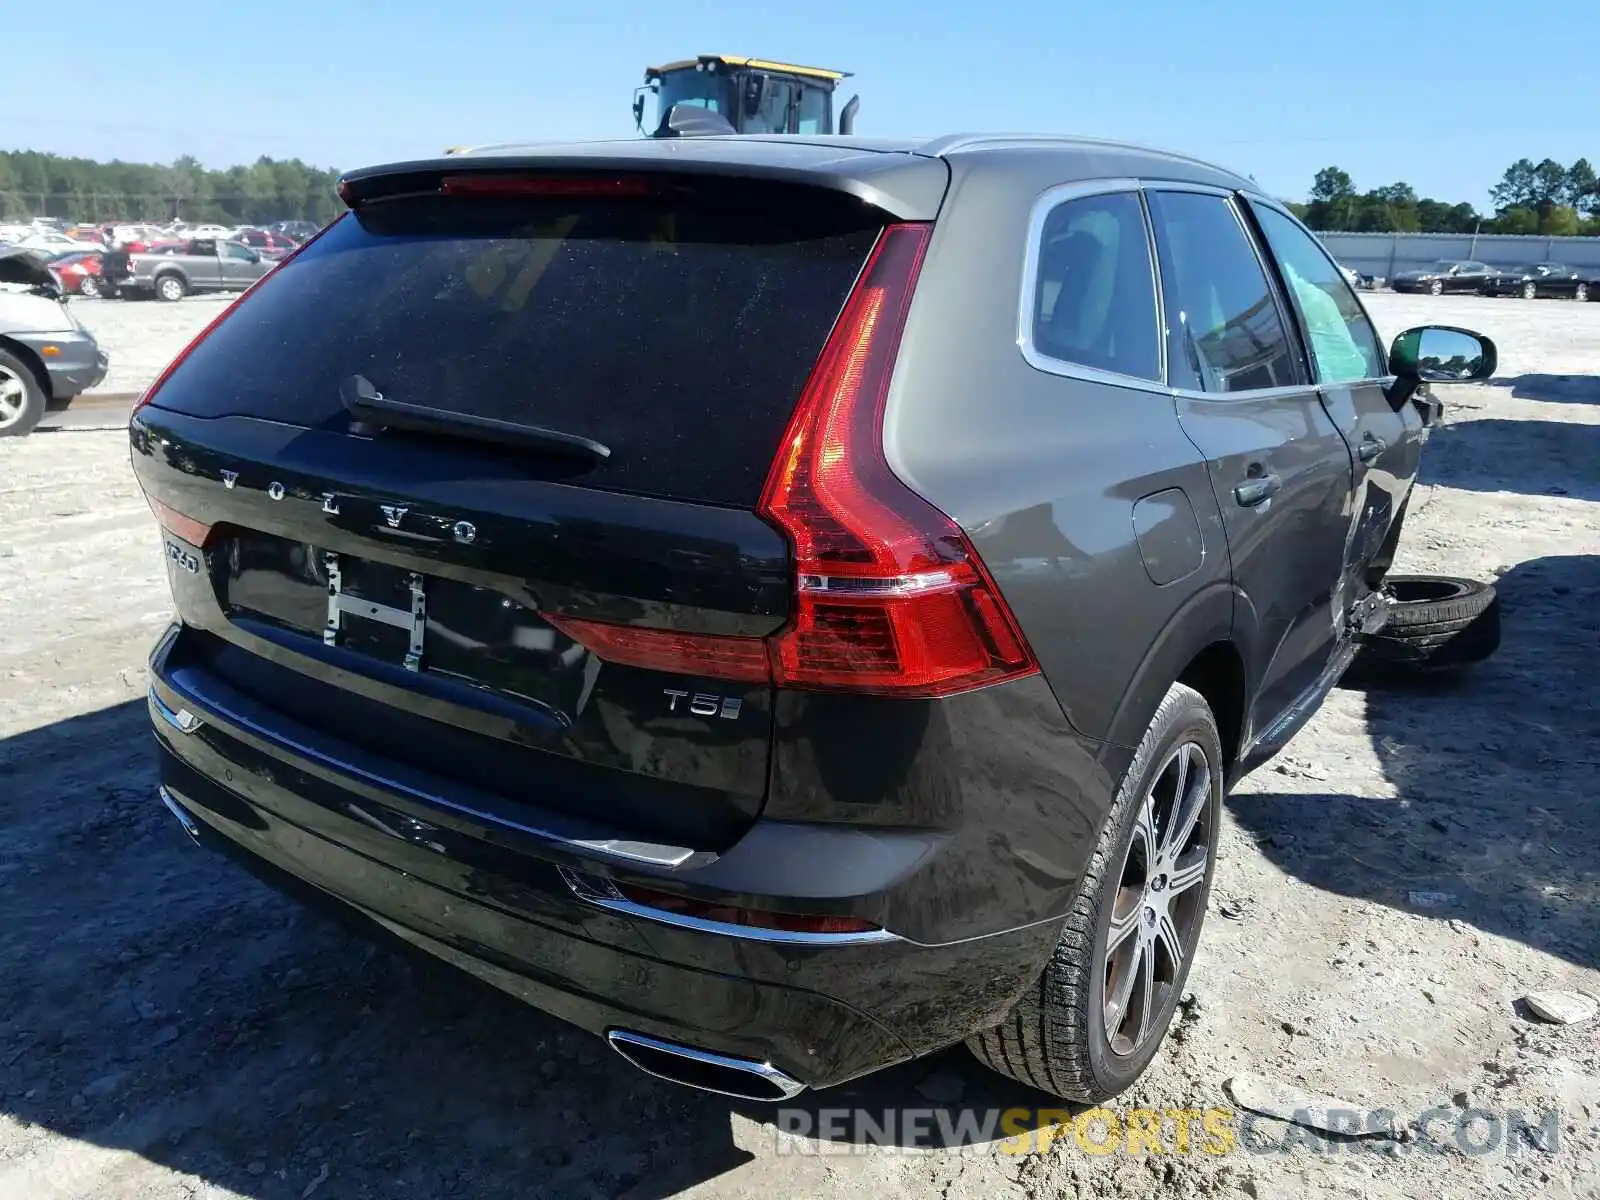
[[190, 825], [740, 1078]]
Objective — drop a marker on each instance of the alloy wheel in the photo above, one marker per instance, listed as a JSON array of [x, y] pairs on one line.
[[13, 397], [1157, 909], [1529, 291]]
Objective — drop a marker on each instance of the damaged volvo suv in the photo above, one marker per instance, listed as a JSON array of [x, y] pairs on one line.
[[784, 605]]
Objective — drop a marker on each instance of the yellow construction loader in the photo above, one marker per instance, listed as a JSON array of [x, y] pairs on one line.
[[728, 93]]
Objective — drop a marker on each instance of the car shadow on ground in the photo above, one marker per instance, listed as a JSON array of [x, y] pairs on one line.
[[1537, 458], [1494, 820], [160, 1001], [1555, 389]]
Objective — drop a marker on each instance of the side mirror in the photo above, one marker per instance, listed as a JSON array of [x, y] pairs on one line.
[[1442, 354], [1438, 354], [638, 109]]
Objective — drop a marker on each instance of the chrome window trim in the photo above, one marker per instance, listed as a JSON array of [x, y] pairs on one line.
[[1271, 393], [1043, 206], [1051, 198]]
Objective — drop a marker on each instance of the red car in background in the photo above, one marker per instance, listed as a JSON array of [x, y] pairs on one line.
[[267, 243], [79, 272]]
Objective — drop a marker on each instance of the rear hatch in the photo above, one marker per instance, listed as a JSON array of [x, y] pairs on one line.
[[392, 558]]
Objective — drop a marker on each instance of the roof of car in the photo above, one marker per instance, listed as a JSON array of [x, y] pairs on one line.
[[761, 146], [890, 172]]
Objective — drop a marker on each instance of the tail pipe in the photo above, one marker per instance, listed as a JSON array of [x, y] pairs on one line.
[[738, 1077]]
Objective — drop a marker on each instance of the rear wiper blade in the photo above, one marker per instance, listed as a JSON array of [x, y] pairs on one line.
[[367, 403]]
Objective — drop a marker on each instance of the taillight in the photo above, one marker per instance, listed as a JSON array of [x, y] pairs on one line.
[[228, 311], [196, 533], [740, 659], [891, 599]]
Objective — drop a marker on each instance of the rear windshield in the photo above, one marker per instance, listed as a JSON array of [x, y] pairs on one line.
[[678, 331]]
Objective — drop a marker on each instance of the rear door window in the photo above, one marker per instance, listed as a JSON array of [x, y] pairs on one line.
[[678, 331], [1227, 333]]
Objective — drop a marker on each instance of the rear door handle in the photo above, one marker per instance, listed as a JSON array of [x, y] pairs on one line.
[[1253, 491], [1370, 448]]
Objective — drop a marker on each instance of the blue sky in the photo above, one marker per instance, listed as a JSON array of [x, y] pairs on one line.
[[1272, 88]]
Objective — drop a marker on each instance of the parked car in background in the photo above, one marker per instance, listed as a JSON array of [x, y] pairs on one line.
[[1447, 275], [46, 356], [53, 242], [209, 230], [267, 243], [788, 714], [173, 272], [298, 230], [1539, 279], [79, 272]]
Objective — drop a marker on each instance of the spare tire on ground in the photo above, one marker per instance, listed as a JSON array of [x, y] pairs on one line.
[[1436, 623]]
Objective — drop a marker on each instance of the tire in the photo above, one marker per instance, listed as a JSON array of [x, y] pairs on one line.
[[1436, 623], [1436, 287], [1055, 1038], [22, 397], [1581, 292], [89, 289], [1530, 291], [171, 288]]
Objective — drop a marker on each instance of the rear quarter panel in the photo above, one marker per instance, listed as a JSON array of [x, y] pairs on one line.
[[1044, 471]]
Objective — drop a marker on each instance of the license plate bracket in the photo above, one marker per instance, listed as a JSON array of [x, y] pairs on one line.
[[344, 603]]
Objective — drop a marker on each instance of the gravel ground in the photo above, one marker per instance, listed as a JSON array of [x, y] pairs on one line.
[[1415, 863], [142, 336]]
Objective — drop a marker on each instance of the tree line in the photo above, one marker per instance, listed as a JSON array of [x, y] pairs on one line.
[[34, 184], [1531, 198]]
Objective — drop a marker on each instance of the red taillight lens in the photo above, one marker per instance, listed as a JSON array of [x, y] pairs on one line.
[[892, 599], [755, 918], [740, 659], [196, 533]]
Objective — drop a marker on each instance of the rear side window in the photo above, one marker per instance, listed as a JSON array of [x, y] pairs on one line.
[[677, 331], [1094, 299], [1227, 333]]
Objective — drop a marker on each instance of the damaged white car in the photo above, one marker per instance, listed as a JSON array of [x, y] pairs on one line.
[[46, 356]]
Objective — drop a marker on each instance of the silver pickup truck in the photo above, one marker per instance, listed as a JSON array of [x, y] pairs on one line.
[[173, 272]]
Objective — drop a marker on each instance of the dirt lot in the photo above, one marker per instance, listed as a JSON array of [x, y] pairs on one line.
[[1414, 864]]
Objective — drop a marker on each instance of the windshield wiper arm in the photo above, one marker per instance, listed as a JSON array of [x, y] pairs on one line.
[[367, 403]]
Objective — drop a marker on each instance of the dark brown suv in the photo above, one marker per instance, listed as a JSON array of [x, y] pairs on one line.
[[785, 605]]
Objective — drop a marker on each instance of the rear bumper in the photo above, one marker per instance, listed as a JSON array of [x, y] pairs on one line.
[[512, 908]]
